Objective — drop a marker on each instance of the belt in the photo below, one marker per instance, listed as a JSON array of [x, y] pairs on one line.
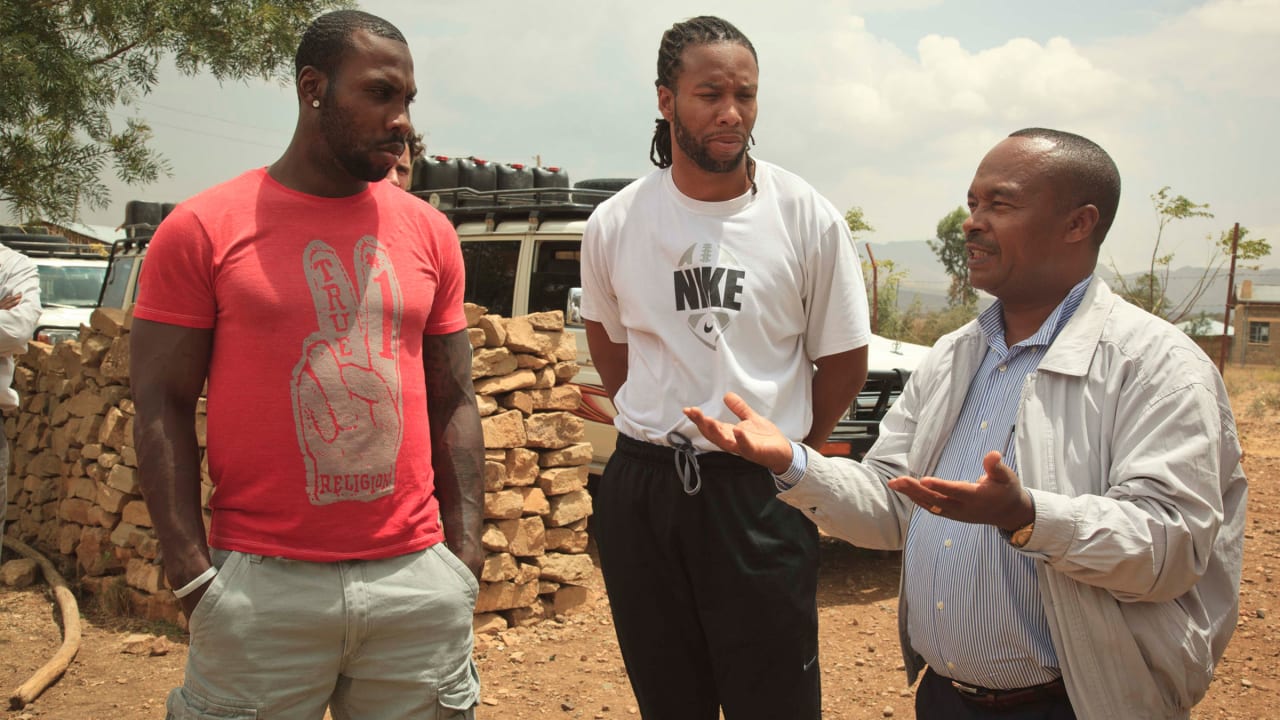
[[1006, 699]]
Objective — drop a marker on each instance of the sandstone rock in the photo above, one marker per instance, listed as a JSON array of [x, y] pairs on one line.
[[94, 552], [497, 537], [535, 502], [505, 596], [112, 431], [147, 577], [530, 539], [572, 456], [503, 505], [473, 313], [68, 538], [504, 430], [567, 349], [570, 597], [561, 397], [123, 535], [476, 337], [518, 400], [108, 321], [115, 363], [544, 378], [532, 362], [568, 508], [547, 320], [559, 481], [93, 349], [495, 476], [526, 616], [135, 513], [522, 467], [111, 499], [486, 405], [495, 330], [75, 510], [553, 430], [124, 479], [149, 645], [18, 573], [561, 568], [522, 338], [506, 383], [488, 623], [498, 567], [492, 362], [567, 541], [566, 370]]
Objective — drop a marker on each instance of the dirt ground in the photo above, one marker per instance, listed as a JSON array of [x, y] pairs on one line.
[[570, 667]]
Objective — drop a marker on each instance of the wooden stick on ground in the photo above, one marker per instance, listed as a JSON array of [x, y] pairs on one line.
[[52, 670]]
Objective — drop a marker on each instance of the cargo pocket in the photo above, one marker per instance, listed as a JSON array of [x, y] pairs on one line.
[[459, 693], [186, 705]]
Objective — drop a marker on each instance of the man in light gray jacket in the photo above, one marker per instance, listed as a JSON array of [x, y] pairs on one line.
[[1063, 474], [19, 313]]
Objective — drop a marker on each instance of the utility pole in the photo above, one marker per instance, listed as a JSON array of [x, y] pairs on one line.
[[1231, 297], [875, 292]]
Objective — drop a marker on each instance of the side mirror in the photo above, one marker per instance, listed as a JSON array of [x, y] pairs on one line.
[[573, 307]]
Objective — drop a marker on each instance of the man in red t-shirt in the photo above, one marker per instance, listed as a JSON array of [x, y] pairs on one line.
[[324, 309]]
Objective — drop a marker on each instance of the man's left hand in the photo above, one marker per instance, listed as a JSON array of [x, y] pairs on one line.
[[996, 499], [471, 555], [9, 302]]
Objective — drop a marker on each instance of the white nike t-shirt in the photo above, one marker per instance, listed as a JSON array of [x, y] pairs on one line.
[[710, 297]]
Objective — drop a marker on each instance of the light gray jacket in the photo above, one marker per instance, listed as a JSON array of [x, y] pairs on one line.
[[1126, 440], [17, 275]]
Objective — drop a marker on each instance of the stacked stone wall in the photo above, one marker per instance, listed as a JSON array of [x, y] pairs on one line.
[[73, 489]]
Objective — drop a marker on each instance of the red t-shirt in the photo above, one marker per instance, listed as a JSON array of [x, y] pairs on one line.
[[318, 441]]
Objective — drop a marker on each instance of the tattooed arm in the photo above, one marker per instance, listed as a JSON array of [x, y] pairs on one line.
[[457, 444]]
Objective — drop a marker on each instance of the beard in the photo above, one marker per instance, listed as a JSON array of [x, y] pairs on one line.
[[697, 150], [339, 134]]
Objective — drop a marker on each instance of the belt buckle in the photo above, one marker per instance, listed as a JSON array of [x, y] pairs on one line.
[[967, 690]]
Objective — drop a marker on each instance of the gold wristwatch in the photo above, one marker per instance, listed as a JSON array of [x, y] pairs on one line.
[[1020, 536]]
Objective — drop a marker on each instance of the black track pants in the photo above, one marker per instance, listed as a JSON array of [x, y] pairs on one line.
[[714, 595]]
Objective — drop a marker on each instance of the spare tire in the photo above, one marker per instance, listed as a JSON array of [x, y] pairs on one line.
[[611, 185]]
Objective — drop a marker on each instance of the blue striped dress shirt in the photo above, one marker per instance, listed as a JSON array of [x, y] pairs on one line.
[[974, 611]]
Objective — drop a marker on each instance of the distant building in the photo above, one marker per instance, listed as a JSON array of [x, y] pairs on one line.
[[82, 234], [1207, 334], [1257, 318]]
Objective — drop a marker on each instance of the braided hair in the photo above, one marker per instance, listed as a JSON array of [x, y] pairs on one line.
[[702, 30]]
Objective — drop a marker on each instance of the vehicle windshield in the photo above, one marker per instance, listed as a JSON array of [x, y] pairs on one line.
[[75, 286]]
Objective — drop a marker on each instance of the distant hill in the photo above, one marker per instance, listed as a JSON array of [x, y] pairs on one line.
[[927, 281]]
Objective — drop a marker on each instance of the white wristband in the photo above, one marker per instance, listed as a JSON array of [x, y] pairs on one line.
[[196, 582]]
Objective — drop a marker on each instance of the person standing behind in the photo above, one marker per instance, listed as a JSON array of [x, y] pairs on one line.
[[324, 308], [19, 314], [715, 273], [1062, 474], [401, 174]]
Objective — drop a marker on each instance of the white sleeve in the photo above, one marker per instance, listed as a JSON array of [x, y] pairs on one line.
[[19, 323], [836, 301], [599, 302]]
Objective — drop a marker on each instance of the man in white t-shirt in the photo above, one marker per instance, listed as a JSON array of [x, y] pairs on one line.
[[715, 273], [19, 314]]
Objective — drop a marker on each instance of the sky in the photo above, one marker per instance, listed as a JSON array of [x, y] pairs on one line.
[[888, 105]]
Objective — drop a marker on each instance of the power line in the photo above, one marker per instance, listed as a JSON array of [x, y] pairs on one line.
[[198, 132], [207, 117]]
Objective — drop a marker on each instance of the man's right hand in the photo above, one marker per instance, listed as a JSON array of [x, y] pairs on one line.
[[755, 438], [9, 302], [190, 602]]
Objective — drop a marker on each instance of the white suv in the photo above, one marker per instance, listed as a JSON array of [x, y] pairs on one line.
[[70, 282]]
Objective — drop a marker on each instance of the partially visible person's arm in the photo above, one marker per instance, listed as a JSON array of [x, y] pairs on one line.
[[608, 357], [20, 312], [457, 444], [169, 364], [836, 383]]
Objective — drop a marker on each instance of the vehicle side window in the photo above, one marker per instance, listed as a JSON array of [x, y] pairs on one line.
[[556, 269], [117, 283], [491, 273]]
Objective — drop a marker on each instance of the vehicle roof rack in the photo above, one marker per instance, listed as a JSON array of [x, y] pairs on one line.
[[52, 246], [464, 203]]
